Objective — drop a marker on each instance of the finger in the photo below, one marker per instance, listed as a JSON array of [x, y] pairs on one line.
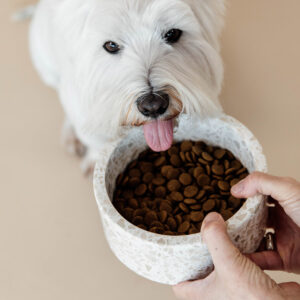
[[285, 190], [267, 260], [280, 188], [224, 254]]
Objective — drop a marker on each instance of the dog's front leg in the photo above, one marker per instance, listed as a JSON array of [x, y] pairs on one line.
[[70, 140]]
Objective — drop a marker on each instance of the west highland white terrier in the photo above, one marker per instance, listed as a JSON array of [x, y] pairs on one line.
[[117, 64]]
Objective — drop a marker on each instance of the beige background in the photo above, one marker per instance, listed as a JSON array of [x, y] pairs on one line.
[[51, 241]]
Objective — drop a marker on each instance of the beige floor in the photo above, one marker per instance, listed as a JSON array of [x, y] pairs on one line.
[[51, 241]]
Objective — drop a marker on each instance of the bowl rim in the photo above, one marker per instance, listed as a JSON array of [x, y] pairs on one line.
[[154, 238]]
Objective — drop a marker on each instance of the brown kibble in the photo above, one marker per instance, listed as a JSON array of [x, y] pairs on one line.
[[175, 160], [208, 170], [146, 167], [188, 157], [210, 149], [178, 219], [173, 174], [140, 190], [197, 150], [219, 153], [160, 191], [197, 216], [217, 169], [159, 161], [140, 212], [165, 206], [133, 182], [190, 191], [127, 194], [198, 171], [147, 178], [193, 156], [184, 208], [163, 216], [185, 179], [169, 233], [184, 227], [190, 201], [157, 224], [165, 169], [230, 155], [226, 164], [234, 202], [228, 178], [137, 220], [186, 146], [133, 203], [209, 205], [235, 164], [150, 217], [127, 213], [200, 195], [234, 182], [182, 156], [119, 179], [176, 196], [176, 210], [173, 185], [230, 171], [173, 150], [135, 173], [198, 225], [242, 170], [156, 230], [207, 156], [133, 164], [141, 226], [244, 175], [196, 207], [209, 189], [172, 223], [158, 180], [186, 218], [193, 231], [223, 186], [203, 180], [226, 214]]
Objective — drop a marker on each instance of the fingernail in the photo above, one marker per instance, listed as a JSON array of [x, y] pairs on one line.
[[239, 187]]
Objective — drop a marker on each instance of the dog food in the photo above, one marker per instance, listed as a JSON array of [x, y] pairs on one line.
[[171, 192]]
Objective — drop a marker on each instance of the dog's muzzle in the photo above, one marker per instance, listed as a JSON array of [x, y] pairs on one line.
[[153, 105]]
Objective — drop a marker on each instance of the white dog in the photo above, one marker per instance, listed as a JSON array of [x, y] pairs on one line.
[[122, 63]]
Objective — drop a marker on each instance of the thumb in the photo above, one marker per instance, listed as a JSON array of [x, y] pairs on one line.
[[224, 254], [285, 190]]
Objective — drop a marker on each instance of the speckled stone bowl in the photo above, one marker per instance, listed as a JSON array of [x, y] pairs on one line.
[[173, 259]]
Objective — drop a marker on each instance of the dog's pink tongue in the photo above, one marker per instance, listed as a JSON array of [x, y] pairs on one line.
[[159, 135]]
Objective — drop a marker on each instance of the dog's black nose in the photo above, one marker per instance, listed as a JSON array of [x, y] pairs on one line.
[[153, 105]]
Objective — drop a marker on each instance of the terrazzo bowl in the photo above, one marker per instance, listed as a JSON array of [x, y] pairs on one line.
[[173, 259]]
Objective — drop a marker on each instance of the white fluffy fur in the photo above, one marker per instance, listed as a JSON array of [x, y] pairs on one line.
[[98, 90]]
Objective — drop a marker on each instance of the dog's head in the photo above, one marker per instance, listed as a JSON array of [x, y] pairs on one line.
[[144, 62]]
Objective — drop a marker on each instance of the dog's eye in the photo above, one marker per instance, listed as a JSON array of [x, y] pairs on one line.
[[173, 36], [111, 47]]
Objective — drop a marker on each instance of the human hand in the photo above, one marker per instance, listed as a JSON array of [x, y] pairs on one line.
[[235, 276], [285, 218]]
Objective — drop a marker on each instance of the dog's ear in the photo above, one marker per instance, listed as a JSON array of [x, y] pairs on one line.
[[210, 14]]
